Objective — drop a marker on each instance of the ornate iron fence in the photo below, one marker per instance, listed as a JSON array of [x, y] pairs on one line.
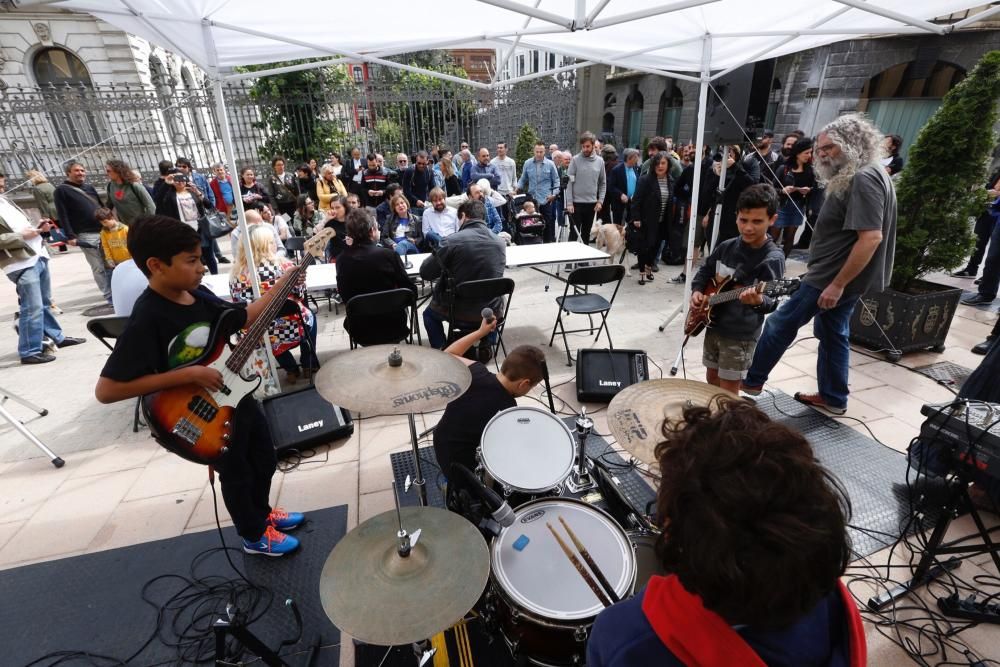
[[41, 128]]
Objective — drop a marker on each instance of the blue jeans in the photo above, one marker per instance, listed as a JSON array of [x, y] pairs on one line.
[[433, 239], [831, 327], [34, 292], [991, 270], [406, 247], [434, 326]]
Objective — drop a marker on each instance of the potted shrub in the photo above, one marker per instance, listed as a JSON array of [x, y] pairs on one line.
[[937, 193]]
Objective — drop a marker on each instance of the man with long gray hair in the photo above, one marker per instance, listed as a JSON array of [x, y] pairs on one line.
[[851, 252]]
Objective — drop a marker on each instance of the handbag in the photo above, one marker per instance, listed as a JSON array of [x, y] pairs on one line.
[[216, 224]]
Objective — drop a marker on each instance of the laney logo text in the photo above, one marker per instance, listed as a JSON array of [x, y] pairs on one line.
[[310, 426], [608, 383]]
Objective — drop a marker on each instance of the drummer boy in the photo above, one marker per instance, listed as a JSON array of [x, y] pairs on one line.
[[735, 326], [457, 435]]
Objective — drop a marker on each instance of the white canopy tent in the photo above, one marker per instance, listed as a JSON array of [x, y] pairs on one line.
[[693, 40]]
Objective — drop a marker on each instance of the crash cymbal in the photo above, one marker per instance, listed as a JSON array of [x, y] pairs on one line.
[[364, 381], [377, 596], [636, 413]]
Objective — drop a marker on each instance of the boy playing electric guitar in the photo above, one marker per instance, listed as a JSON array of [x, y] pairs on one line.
[[752, 256], [169, 327]]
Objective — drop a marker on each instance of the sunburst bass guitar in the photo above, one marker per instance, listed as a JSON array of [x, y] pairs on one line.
[[198, 424], [724, 291]]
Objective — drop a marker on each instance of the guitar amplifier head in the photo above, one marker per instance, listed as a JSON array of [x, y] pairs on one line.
[[601, 374], [303, 418]]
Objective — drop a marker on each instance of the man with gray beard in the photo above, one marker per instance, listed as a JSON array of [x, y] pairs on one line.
[[851, 252]]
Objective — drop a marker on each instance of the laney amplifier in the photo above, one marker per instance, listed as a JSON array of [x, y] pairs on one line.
[[303, 419], [600, 374]]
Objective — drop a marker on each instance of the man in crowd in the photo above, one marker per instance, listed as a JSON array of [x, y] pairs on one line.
[[282, 187], [507, 169], [417, 182], [478, 191], [76, 202], [471, 253], [350, 174], [540, 181], [621, 185], [657, 144], [851, 252], [463, 157], [25, 260], [483, 168], [373, 183], [439, 221], [553, 150], [586, 188], [222, 189]]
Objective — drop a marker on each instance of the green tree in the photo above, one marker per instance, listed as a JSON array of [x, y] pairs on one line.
[[298, 112], [527, 137], [941, 187]]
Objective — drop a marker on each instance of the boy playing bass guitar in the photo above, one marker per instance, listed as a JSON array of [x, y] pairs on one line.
[[735, 326]]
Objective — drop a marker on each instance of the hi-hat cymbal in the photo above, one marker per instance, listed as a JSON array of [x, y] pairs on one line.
[[636, 413], [377, 596], [362, 380]]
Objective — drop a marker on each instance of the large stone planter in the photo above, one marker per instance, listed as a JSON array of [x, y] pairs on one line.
[[914, 320]]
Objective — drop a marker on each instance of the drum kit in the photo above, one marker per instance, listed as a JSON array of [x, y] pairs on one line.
[[538, 577]]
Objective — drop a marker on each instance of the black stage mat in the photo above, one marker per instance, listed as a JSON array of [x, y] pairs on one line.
[[946, 371], [92, 602], [873, 475]]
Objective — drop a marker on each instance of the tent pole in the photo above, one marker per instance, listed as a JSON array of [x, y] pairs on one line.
[[706, 75], [270, 383]]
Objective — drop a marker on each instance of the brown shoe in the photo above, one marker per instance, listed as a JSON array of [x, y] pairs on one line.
[[818, 402]]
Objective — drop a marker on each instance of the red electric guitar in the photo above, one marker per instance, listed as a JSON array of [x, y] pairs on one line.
[[196, 423], [717, 292]]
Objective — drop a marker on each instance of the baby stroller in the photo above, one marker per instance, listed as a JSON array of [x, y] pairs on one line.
[[528, 229]]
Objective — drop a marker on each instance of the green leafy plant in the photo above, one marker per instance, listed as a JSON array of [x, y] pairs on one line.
[[940, 188], [527, 137]]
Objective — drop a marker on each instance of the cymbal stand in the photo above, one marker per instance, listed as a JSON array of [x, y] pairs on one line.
[[6, 395], [581, 479], [395, 361]]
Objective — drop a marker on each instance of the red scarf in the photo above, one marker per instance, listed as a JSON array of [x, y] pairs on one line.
[[701, 638]]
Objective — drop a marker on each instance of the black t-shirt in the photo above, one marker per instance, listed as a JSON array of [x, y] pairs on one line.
[[458, 433], [162, 335]]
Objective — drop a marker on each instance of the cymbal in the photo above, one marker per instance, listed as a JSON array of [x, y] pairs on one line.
[[362, 380], [377, 596], [636, 413]]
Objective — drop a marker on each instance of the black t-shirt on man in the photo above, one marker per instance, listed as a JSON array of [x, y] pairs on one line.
[[457, 435], [162, 335]]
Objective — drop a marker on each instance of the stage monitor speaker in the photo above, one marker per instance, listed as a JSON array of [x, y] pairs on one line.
[[302, 419], [745, 91], [600, 374]]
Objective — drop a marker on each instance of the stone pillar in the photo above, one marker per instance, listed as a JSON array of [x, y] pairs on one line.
[[590, 98]]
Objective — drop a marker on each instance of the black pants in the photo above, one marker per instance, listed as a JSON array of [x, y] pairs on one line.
[[649, 243], [245, 471], [583, 219], [983, 230], [209, 260]]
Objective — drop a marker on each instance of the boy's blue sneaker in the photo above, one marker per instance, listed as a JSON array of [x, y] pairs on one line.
[[283, 520], [271, 543]]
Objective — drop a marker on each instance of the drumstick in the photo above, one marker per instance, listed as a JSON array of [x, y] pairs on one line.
[[579, 568], [608, 588]]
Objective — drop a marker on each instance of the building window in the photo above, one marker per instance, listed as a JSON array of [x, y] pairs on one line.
[[552, 61], [534, 62], [633, 119], [608, 123], [520, 65], [359, 74], [671, 105], [65, 83]]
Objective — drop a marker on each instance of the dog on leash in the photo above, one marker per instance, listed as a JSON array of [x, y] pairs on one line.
[[610, 238]]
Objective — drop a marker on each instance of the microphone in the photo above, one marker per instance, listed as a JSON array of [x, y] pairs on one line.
[[498, 508], [488, 315]]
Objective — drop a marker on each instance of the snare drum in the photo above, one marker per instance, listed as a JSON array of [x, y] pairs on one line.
[[542, 605], [526, 452]]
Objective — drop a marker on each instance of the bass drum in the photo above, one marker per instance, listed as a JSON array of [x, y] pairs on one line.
[[542, 606], [526, 453]]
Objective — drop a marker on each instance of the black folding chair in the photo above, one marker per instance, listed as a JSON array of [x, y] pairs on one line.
[[481, 291], [110, 328], [376, 304], [295, 246], [583, 302]]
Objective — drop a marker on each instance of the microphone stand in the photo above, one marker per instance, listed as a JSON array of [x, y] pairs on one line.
[[581, 479]]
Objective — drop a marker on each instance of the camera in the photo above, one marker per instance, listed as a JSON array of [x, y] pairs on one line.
[[180, 178]]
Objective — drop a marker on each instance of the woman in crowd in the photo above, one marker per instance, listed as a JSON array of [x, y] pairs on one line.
[[282, 187], [337, 165], [402, 232], [277, 221], [128, 200], [737, 180], [314, 168], [336, 219], [253, 195], [366, 267], [307, 218], [306, 181], [44, 194], [450, 182], [288, 330], [650, 206], [189, 206], [796, 180], [328, 187]]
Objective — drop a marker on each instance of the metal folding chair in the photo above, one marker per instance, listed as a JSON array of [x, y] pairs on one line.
[[111, 328], [481, 291], [374, 304], [584, 302]]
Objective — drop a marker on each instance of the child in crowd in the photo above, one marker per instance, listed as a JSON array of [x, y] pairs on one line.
[[170, 325], [114, 239], [752, 256], [530, 224]]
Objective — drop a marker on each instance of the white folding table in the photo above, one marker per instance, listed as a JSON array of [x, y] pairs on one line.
[[539, 255]]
